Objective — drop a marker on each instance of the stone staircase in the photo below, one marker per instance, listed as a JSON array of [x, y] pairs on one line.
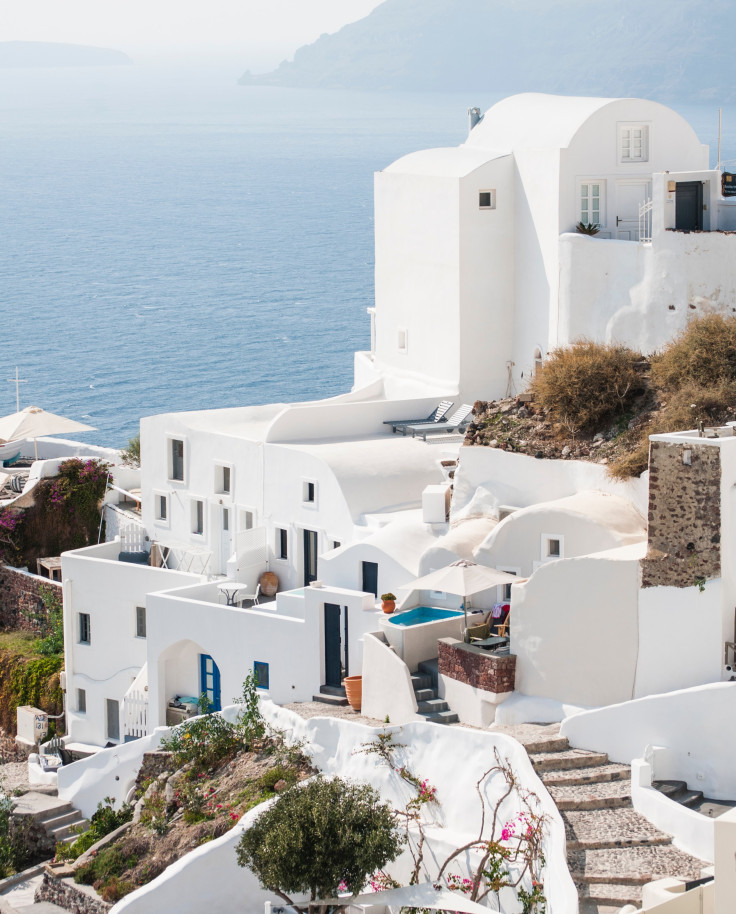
[[59, 819], [612, 851], [429, 704], [332, 695]]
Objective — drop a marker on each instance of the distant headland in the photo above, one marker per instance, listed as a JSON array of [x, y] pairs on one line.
[[643, 48], [51, 54]]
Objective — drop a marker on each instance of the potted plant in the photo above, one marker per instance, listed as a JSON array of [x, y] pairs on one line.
[[389, 602], [354, 691]]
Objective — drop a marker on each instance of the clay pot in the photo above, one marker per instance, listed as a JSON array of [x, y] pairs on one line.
[[388, 606], [354, 691], [269, 583]]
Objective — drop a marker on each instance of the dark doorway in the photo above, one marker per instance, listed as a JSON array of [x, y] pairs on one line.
[[310, 556], [689, 206], [333, 663], [370, 577]]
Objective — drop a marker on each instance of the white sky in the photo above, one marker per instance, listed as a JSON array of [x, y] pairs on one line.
[[255, 30]]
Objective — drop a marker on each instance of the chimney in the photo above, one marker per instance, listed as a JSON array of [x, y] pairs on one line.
[[474, 117]]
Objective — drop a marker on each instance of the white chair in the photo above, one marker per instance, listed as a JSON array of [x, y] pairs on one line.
[[252, 598]]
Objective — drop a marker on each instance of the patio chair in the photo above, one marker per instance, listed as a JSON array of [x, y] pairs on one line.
[[438, 414], [456, 423], [252, 598]]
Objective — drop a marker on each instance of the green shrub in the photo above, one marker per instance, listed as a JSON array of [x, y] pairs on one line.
[[703, 353], [110, 861], [105, 820], [587, 384]]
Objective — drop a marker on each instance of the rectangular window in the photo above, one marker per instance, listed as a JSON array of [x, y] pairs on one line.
[[246, 520], [81, 701], [592, 203], [553, 547], [309, 491], [261, 673], [177, 460], [140, 621], [403, 341], [487, 199], [113, 718], [282, 543], [369, 577], [162, 507], [223, 480], [634, 143], [198, 517], [85, 629], [336, 544]]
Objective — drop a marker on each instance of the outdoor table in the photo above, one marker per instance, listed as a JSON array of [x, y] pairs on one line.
[[231, 589]]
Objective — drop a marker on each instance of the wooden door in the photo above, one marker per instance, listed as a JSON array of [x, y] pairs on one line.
[[333, 663], [689, 206]]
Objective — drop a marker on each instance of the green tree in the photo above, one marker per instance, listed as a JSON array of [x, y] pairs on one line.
[[132, 453], [320, 837]]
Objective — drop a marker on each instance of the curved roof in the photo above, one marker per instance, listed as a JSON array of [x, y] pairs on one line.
[[534, 119], [445, 162]]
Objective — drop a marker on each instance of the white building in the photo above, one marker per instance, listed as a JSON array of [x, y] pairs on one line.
[[477, 276]]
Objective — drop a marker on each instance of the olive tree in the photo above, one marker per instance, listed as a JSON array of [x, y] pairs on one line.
[[319, 838]]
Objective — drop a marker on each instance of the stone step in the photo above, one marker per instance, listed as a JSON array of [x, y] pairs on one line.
[[596, 774], [613, 894], [441, 717], [65, 818], [633, 865], [335, 700], [421, 681], [572, 758], [690, 798], [432, 706], [610, 828], [71, 830], [670, 788], [425, 694], [336, 691], [605, 795], [430, 668], [547, 744]]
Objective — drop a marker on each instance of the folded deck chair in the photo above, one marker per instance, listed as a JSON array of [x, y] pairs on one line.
[[457, 421], [437, 415]]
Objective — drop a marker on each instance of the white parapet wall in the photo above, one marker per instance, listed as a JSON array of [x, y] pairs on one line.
[[695, 725], [452, 759]]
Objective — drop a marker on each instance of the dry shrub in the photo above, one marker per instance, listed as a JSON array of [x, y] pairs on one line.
[[587, 384], [692, 403], [704, 353]]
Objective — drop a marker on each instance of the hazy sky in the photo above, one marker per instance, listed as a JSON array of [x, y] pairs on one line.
[[256, 31]]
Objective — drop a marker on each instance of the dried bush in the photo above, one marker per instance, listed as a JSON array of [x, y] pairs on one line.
[[704, 353], [587, 384]]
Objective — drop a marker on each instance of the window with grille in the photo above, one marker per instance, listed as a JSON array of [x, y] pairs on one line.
[[592, 203], [85, 629], [634, 143], [140, 621]]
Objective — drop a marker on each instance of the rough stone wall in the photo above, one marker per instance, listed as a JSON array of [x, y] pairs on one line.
[[490, 672], [684, 515], [21, 607], [154, 764], [70, 897]]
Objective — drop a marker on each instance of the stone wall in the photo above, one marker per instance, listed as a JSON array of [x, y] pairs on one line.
[[490, 672], [684, 515], [154, 764], [21, 607], [77, 899]]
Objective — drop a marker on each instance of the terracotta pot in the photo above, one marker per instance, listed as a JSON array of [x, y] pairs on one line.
[[269, 583], [354, 691], [388, 606]]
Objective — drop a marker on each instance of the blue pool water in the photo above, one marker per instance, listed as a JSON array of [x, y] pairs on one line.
[[421, 614]]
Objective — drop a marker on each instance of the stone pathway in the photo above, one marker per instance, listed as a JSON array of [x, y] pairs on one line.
[[612, 851]]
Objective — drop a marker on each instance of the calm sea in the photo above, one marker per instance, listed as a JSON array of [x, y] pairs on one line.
[[172, 241]]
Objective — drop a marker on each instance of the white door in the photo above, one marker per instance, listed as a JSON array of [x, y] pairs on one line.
[[629, 197], [226, 541]]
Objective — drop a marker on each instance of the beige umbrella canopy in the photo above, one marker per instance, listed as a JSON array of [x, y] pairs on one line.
[[424, 895], [34, 422], [464, 579]]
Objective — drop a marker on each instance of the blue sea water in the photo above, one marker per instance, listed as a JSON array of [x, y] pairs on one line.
[[173, 241]]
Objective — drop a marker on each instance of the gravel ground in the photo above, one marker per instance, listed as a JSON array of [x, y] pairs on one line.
[[14, 775], [308, 709]]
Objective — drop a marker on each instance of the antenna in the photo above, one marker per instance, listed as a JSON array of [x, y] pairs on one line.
[[17, 381]]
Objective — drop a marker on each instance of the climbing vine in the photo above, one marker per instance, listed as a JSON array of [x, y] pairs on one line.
[[28, 681]]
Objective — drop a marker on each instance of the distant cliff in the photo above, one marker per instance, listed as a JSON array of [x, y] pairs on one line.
[[653, 48], [48, 54]]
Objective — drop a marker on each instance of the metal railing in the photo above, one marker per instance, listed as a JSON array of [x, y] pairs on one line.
[[645, 222]]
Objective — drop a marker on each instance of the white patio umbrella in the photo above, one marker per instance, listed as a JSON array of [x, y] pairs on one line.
[[424, 895], [463, 578], [34, 422]]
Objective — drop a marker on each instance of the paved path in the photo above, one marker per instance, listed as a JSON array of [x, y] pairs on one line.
[[612, 851]]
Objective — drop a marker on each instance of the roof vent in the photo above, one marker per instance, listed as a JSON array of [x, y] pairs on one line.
[[474, 117]]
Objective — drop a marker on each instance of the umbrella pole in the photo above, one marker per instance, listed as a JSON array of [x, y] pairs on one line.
[[465, 617], [35, 447]]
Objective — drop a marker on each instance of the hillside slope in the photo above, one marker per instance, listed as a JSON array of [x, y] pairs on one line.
[[649, 48]]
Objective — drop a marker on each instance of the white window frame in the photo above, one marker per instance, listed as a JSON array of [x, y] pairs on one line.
[[242, 511], [112, 737], [627, 143], [306, 501], [161, 521], [194, 501], [492, 204], [548, 538], [277, 544], [501, 593], [170, 439], [88, 641], [219, 479], [587, 184], [136, 619]]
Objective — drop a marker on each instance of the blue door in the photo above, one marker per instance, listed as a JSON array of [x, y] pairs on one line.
[[209, 681]]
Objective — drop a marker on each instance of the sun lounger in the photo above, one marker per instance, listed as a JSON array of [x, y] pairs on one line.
[[9, 461], [456, 423], [437, 415]]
